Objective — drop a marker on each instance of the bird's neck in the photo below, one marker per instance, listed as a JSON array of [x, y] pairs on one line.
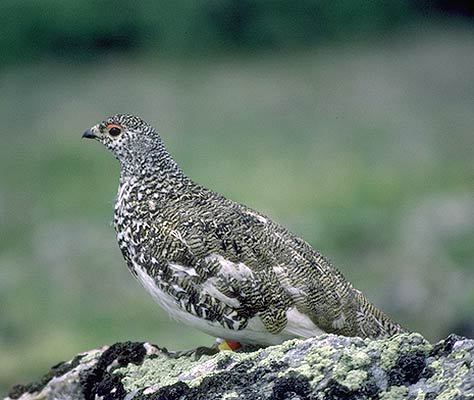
[[154, 169]]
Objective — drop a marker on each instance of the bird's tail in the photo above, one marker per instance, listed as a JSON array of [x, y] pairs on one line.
[[372, 322]]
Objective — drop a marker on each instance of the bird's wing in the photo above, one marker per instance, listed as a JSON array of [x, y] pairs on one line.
[[235, 264], [317, 289], [212, 264]]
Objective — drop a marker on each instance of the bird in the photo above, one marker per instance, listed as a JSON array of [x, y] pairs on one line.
[[220, 266]]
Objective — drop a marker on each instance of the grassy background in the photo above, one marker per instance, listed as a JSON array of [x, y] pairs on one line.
[[364, 148]]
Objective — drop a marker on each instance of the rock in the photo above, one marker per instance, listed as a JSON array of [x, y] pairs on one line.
[[405, 366]]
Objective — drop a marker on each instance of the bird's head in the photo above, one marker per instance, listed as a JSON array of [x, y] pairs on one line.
[[130, 139]]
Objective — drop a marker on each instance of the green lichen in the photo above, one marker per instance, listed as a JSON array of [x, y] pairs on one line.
[[395, 393], [452, 378], [230, 396], [349, 369], [356, 359], [315, 362], [164, 371], [91, 356], [353, 380], [390, 349], [461, 354], [450, 394], [320, 357], [274, 353], [285, 346], [420, 395], [161, 371], [452, 390]]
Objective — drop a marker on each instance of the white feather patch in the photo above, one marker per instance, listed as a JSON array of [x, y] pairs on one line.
[[262, 219], [300, 324], [339, 322], [183, 270], [230, 269], [209, 287]]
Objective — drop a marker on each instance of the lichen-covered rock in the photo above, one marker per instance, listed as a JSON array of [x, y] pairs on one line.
[[326, 367]]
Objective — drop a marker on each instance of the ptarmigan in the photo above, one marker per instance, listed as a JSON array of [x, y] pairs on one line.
[[217, 265]]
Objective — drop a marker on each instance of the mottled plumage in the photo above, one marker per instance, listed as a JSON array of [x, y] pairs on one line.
[[217, 265]]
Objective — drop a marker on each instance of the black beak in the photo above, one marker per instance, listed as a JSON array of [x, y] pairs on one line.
[[89, 134]]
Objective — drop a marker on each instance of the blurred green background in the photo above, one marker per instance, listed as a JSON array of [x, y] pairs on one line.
[[349, 122]]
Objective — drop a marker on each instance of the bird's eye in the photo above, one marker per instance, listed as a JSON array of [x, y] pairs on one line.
[[114, 130]]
